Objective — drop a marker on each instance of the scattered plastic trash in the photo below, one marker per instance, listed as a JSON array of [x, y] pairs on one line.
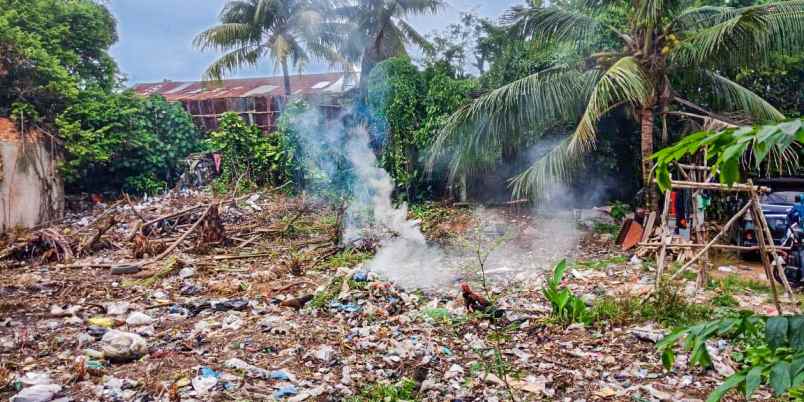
[[121, 347], [37, 393], [286, 391]]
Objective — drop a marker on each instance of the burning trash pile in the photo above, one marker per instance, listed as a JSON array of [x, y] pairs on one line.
[[253, 298]]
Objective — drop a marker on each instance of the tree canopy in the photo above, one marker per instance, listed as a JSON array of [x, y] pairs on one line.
[[49, 50]]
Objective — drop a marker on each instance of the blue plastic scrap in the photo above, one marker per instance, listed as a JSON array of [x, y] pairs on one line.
[[284, 392], [360, 276], [280, 375], [208, 372], [345, 307]]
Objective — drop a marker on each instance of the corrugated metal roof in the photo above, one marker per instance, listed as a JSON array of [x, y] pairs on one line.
[[306, 84]]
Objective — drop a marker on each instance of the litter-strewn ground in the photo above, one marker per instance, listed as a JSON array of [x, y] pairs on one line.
[[259, 301]]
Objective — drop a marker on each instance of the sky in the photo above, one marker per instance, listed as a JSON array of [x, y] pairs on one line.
[[156, 36]]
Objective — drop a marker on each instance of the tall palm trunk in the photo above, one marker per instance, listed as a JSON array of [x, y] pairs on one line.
[[646, 145], [286, 76]]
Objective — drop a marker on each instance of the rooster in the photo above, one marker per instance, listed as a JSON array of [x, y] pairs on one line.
[[475, 302]]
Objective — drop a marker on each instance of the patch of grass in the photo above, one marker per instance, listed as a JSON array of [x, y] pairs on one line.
[[324, 297], [404, 390], [735, 283], [601, 263], [347, 258], [724, 299], [667, 306], [610, 228]]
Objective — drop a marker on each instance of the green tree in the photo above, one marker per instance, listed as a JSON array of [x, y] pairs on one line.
[[50, 49], [664, 42], [409, 108], [376, 30], [117, 142], [250, 158], [289, 32]]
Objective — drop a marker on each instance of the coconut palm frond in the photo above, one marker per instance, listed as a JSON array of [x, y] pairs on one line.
[[623, 82], [551, 169], [478, 131], [752, 34], [419, 7], [226, 36], [735, 97], [701, 17], [411, 35], [553, 24], [248, 55]]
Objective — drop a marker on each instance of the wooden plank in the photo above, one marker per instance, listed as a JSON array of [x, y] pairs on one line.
[[649, 226]]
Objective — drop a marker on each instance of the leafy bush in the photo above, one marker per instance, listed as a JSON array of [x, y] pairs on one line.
[[248, 157], [771, 351], [123, 141], [567, 307], [407, 108]]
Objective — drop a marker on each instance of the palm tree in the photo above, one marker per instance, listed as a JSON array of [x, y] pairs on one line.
[[665, 55], [375, 30], [287, 31]]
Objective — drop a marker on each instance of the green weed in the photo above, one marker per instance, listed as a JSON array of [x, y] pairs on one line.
[[667, 307], [404, 390], [347, 258], [610, 228], [601, 264], [324, 297]]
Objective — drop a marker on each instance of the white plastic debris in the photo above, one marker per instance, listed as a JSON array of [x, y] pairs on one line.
[[123, 346], [37, 393], [137, 318]]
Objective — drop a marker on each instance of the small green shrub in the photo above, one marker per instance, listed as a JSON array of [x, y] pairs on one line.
[[404, 390], [619, 210], [770, 351], [567, 307], [249, 158]]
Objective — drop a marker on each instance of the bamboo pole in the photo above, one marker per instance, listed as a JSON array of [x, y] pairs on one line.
[[714, 246], [665, 236], [725, 228], [757, 213], [717, 186], [776, 265]]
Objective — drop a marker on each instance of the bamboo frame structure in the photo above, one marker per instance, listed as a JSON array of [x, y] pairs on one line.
[[698, 178]]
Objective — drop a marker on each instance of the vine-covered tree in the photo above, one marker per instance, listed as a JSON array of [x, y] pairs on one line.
[[652, 56]]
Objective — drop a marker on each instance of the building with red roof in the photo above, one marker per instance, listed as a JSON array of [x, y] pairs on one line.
[[257, 100]]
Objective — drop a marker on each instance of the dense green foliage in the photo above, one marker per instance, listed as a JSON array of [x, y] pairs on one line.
[[249, 158], [49, 51], [770, 351], [409, 107], [728, 150], [654, 59], [124, 142]]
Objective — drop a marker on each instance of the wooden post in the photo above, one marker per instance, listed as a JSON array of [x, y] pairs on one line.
[[726, 227], [763, 253], [769, 237], [665, 239]]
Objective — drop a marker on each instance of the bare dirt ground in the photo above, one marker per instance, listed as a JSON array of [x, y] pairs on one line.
[[273, 307]]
